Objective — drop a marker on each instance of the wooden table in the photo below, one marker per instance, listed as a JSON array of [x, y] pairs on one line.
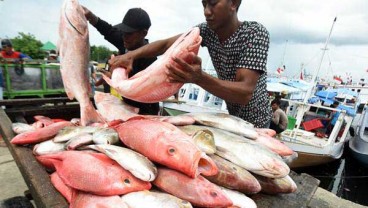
[[46, 196]]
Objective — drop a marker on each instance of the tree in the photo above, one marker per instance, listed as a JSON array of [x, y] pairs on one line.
[[100, 53], [29, 45]]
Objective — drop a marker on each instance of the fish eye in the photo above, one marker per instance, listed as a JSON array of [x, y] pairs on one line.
[[171, 150], [214, 194], [127, 181]]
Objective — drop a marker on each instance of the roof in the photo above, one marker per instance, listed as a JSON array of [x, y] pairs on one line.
[[48, 46], [279, 87]]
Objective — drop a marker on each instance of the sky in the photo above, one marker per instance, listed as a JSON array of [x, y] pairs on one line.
[[298, 29]]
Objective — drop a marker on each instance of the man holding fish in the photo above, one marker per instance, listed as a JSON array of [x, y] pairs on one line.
[[238, 50], [126, 36]]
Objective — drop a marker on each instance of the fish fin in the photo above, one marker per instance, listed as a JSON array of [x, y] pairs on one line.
[[108, 80], [89, 115]]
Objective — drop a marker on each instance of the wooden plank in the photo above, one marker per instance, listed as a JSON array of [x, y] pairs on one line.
[[63, 111], [34, 101], [307, 186], [35, 176]]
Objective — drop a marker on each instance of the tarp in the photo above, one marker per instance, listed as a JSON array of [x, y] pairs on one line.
[[329, 94], [48, 46], [298, 84], [279, 87]]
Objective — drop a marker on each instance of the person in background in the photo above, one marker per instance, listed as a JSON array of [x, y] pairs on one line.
[[330, 121], [53, 57], [126, 36], [8, 52], [238, 50], [279, 119], [92, 75], [283, 103]]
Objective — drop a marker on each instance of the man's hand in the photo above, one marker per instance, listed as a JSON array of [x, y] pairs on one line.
[[92, 18], [180, 70], [125, 61]]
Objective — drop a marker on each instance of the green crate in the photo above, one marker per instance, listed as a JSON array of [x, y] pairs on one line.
[[291, 123]]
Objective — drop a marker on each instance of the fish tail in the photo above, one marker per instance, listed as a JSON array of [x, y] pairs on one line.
[[89, 115]]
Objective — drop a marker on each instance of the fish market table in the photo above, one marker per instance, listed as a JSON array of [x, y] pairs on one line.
[[46, 196]]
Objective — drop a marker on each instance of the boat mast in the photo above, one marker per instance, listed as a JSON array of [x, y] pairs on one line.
[[314, 78]]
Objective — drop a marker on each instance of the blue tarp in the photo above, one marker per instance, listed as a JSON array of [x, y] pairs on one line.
[[329, 94], [349, 110]]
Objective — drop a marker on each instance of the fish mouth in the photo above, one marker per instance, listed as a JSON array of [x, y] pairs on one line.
[[206, 166]]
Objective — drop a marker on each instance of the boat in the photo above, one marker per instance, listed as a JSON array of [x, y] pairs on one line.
[[308, 136], [358, 144]]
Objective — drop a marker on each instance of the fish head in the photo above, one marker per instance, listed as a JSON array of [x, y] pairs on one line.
[[205, 140], [182, 154]]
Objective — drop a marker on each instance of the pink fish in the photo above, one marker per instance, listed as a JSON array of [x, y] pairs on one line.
[[234, 177], [40, 135], [87, 200], [65, 190], [270, 132], [112, 108], [198, 191], [273, 144], [74, 53], [164, 143], [151, 85], [180, 120], [94, 173], [42, 121]]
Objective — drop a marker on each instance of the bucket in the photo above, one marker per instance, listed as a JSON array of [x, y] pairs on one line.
[[291, 123]]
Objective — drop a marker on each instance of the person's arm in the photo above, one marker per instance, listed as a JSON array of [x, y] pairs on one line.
[[150, 50], [251, 66], [238, 91], [110, 33]]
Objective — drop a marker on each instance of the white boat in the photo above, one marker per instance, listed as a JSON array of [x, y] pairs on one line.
[[358, 144], [313, 145]]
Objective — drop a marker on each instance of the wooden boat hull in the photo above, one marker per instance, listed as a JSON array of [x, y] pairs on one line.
[[307, 160]]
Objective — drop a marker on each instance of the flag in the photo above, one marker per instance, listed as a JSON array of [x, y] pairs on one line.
[[337, 80], [280, 70], [301, 75]]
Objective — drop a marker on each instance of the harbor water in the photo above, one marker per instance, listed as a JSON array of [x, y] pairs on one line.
[[345, 177]]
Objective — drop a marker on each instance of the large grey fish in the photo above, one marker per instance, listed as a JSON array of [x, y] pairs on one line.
[[132, 161], [154, 199], [276, 185], [234, 177], [105, 136], [74, 53], [48, 147], [245, 153], [226, 122], [202, 138], [239, 200], [70, 132], [19, 128]]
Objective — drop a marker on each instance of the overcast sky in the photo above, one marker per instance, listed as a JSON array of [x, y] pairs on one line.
[[298, 28]]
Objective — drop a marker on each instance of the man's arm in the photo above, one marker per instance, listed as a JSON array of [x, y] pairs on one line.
[[110, 33], [239, 91]]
